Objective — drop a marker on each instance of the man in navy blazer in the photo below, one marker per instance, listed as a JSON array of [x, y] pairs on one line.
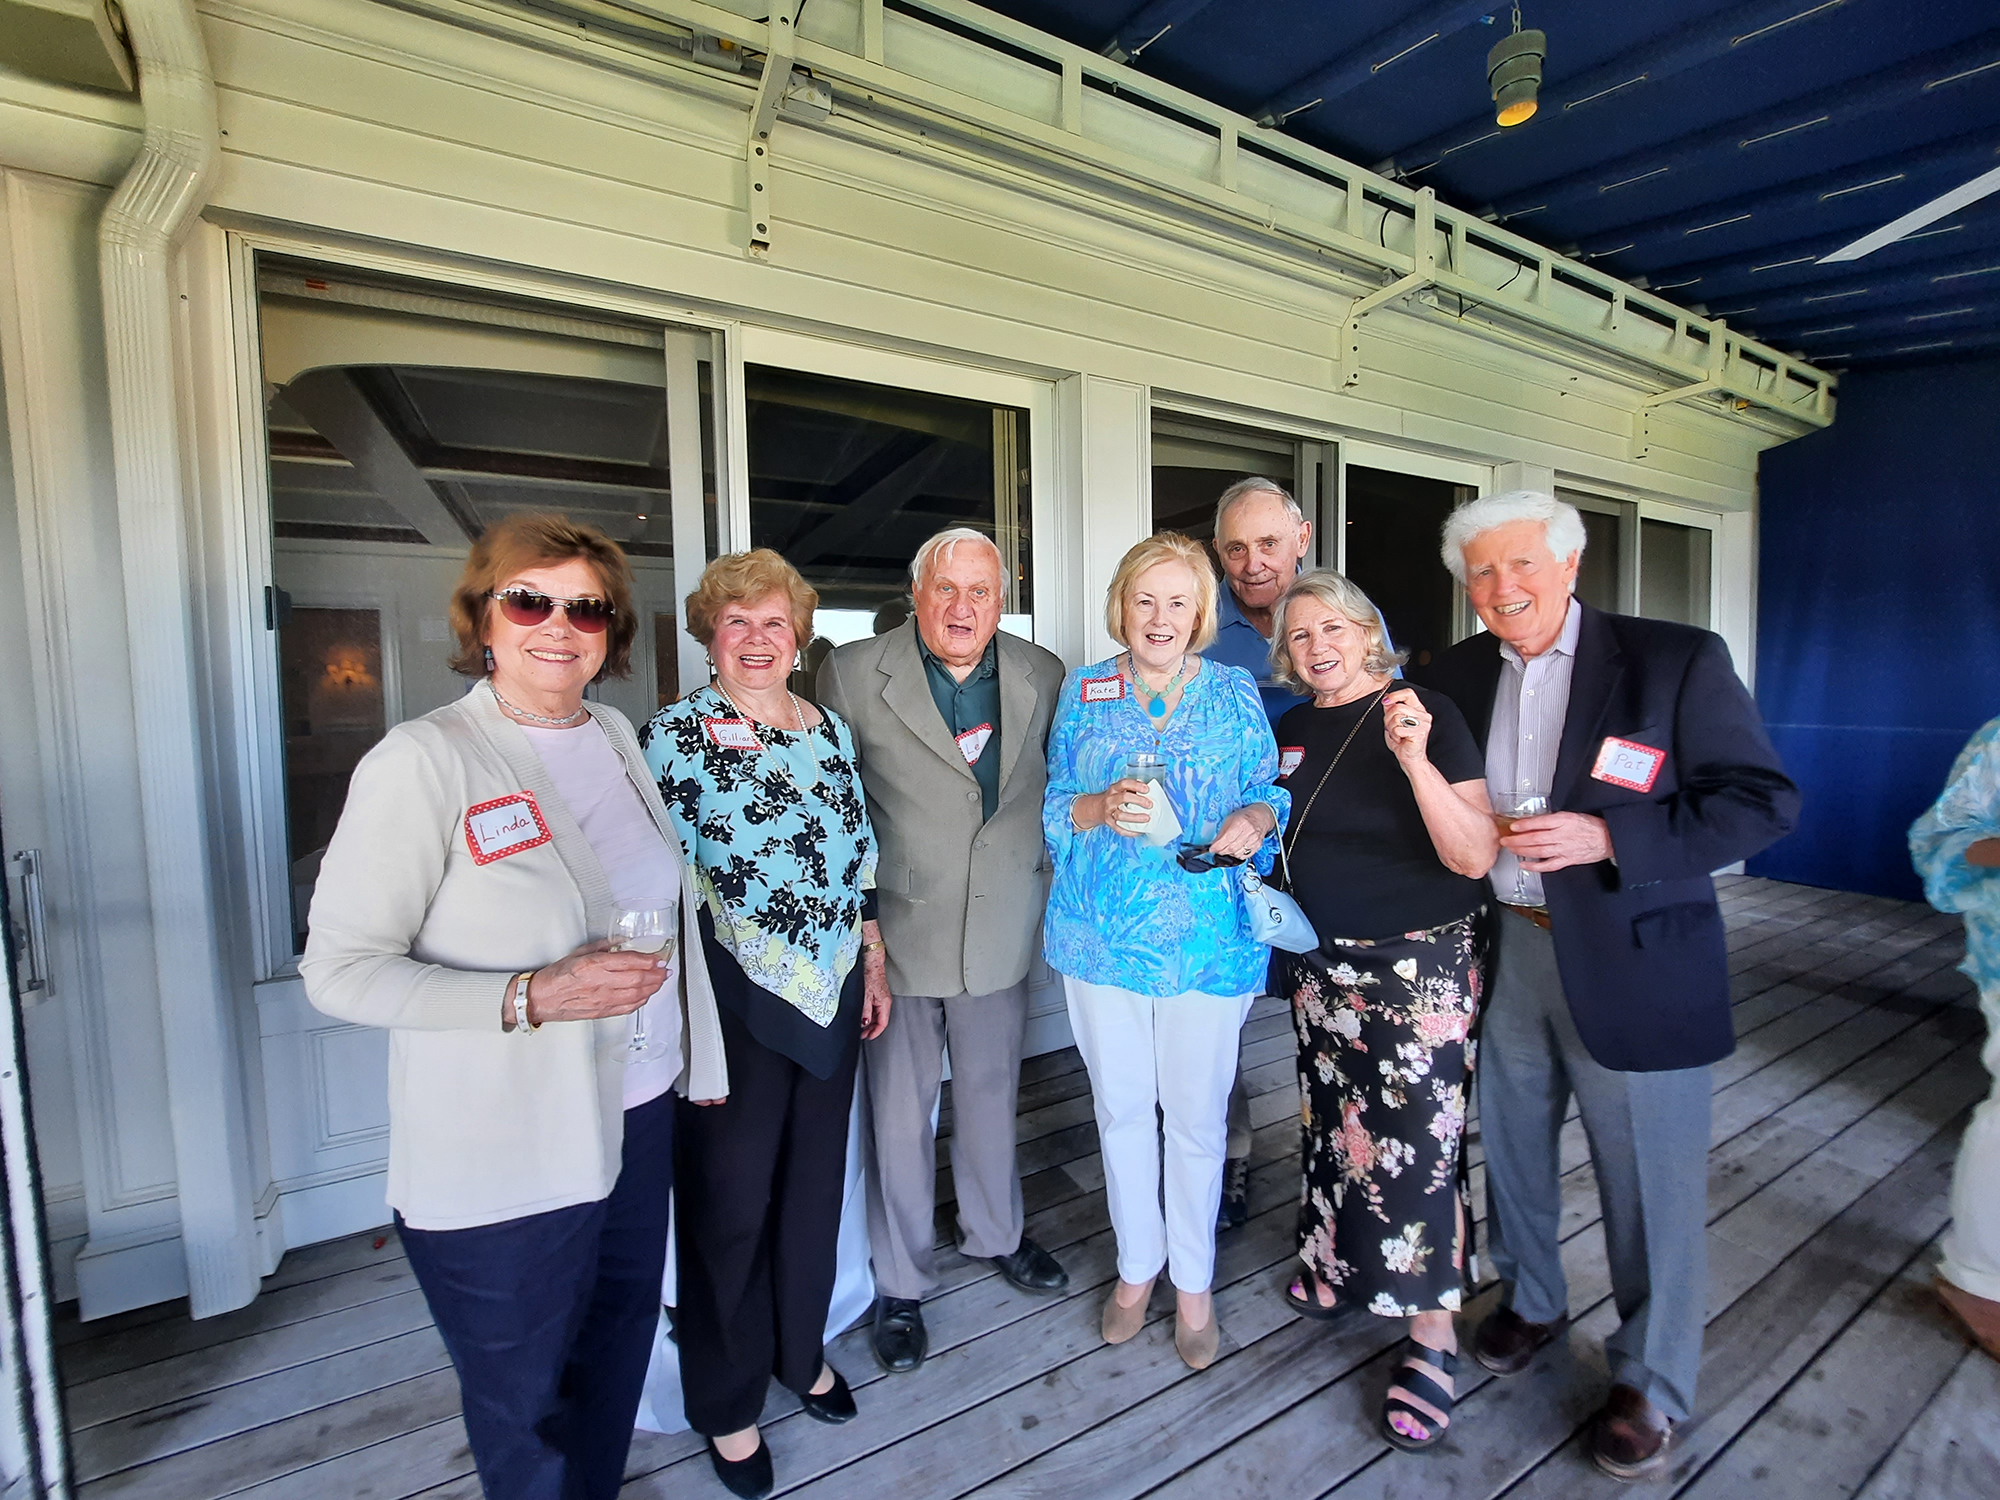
[[1610, 977]]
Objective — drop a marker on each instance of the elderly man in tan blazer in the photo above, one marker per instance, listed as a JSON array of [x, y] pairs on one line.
[[951, 717]]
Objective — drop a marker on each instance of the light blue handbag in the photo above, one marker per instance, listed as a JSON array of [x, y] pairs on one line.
[[1275, 918]]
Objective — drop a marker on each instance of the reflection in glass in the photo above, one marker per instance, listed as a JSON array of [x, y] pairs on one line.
[[848, 479], [1598, 573], [1674, 568], [1193, 463], [1393, 525]]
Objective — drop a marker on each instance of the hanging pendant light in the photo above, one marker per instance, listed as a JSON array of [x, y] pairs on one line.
[[1514, 71]]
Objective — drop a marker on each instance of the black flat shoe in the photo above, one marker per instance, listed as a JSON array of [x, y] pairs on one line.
[[749, 1477], [1032, 1269], [1233, 1212], [898, 1338], [833, 1405]]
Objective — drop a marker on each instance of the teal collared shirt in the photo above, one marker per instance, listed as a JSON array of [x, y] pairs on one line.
[[968, 706]]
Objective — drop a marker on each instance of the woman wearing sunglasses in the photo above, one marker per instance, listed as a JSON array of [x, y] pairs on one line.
[[484, 852], [765, 791], [1155, 951]]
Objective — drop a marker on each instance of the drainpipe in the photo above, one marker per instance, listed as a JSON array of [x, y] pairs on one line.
[[142, 227]]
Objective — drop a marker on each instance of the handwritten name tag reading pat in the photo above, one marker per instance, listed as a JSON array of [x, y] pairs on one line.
[[1103, 689], [506, 825], [1623, 763], [731, 734], [972, 744], [1289, 759]]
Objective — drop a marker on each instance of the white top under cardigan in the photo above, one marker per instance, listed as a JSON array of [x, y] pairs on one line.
[[410, 932]]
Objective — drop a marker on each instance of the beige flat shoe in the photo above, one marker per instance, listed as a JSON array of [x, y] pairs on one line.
[[1122, 1323], [1197, 1346]]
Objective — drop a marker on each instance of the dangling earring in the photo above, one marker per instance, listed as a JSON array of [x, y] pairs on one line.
[[489, 661]]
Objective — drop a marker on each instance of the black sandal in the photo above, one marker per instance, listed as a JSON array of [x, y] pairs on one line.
[[1413, 1377], [1309, 1306]]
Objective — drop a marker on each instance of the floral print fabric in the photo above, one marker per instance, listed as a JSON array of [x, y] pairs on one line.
[[1385, 1071], [1967, 811], [1121, 911], [779, 842]]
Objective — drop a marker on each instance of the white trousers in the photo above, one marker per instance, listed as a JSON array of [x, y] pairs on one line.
[[1178, 1053], [1972, 1245]]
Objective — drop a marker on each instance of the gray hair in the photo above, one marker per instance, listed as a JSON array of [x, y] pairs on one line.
[[1343, 596], [945, 543], [1562, 525], [1256, 485]]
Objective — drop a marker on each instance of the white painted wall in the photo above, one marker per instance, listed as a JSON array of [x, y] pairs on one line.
[[379, 136]]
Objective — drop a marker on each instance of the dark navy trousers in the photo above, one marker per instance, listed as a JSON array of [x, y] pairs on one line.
[[549, 1321]]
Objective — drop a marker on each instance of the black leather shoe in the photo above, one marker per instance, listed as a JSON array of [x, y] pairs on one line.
[[899, 1340], [1506, 1341], [749, 1477], [833, 1405], [1032, 1269], [1234, 1210]]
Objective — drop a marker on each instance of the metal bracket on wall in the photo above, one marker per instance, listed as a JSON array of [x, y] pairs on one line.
[[763, 116], [1421, 275], [1718, 360]]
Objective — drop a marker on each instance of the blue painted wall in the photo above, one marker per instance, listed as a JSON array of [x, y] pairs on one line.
[[1878, 613]]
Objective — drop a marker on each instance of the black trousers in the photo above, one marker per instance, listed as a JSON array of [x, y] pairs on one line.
[[549, 1321], [758, 1182]]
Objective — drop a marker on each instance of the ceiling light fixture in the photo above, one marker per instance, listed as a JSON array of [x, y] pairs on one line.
[[1514, 72]]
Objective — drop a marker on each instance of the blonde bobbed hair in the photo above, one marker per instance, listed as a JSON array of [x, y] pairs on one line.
[[1164, 546], [1343, 596]]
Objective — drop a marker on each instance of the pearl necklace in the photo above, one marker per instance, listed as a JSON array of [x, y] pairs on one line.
[[563, 722], [798, 713]]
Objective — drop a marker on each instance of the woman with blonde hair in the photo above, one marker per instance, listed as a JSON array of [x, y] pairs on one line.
[[1161, 776], [765, 792], [1388, 845], [484, 853]]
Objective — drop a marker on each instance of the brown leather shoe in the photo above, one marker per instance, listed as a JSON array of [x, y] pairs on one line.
[[1630, 1437], [1506, 1341]]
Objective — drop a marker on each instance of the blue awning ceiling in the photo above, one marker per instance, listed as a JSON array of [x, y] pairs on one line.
[[1714, 153]]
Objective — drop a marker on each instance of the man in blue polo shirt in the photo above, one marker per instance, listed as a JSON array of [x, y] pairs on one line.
[[1262, 538]]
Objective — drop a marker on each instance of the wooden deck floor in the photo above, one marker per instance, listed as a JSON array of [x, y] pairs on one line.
[[1829, 1371]]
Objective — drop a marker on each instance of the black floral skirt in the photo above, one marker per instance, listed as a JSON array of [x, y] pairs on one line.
[[1385, 1071]]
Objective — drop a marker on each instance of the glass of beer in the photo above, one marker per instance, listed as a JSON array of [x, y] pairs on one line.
[[646, 926], [1507, 809]]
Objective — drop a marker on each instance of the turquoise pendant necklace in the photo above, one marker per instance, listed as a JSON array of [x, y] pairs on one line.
[[1157, 707]]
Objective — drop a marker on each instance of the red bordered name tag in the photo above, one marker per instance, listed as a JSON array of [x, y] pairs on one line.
[[506, 825], [1623, 763], [1103, 689], [732, 734], [1289, 759], [972, 744]]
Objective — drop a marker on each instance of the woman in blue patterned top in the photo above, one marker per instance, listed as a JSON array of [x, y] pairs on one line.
[[1956, 848], [1152, 942], [765, 795]]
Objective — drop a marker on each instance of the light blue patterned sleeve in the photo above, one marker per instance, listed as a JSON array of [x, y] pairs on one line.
[[1260, 766], [1063, 786], [1967, 811]]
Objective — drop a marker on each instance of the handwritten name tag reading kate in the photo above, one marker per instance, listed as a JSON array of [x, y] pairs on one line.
[[732, 734], [1623, 763], [506, 825], [972, 744], [1103, 689]]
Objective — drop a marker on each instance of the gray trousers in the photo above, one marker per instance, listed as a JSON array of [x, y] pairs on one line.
[[904, 1066], [1649, 1148]]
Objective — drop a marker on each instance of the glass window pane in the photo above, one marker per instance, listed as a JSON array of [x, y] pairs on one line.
[[848, 479], [1393, 525], [1598, 573], [1674, 568], [1194, 462], [402, 421]]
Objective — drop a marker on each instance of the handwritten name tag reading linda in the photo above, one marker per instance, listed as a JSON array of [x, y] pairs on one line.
[[506, 825]]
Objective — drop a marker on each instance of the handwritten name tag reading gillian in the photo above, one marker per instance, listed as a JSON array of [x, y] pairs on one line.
[[732, 734], [506, 825], [1623, 763]]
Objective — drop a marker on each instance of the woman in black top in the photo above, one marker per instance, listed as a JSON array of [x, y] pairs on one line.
[[1390, 839]]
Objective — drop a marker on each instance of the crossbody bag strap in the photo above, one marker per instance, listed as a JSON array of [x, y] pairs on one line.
[[1284, 862]]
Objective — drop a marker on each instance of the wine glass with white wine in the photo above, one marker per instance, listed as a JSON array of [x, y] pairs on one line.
[[646, 926]]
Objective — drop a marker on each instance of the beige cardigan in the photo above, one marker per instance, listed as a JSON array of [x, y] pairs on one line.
[[411, 933]]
